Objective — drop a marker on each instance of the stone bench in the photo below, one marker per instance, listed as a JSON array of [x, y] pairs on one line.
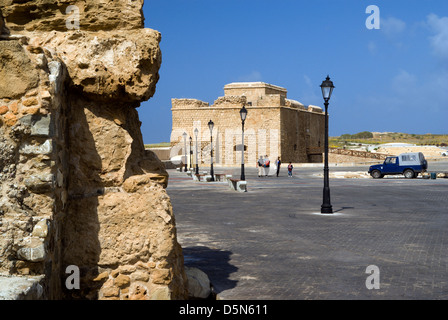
[[220, 176], [238, 185], [198, 177], [208, 177]]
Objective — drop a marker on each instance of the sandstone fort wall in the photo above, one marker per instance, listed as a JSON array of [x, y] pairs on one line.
[[275, 126]]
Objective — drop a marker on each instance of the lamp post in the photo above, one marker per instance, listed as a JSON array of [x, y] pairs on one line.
[[243, 115], [185, 148], [196, 131], [327, 89], [210, 126], [191, 153]]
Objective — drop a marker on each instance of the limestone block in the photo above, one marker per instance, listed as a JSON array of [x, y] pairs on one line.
[[41, 125], [117, 65], [17, 71], [32, 249], [36, 149], [198, 283], [21, 288], [55, 77], [161, 293], [40, 183], [40, 230]]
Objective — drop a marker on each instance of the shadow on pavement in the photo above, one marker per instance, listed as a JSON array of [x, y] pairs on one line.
[[215, 263], [343, 208]]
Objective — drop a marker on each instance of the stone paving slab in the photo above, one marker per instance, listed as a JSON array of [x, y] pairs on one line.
[[272, 242]]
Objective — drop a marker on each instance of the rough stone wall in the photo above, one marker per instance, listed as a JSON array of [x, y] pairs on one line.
[[44, 15], [303, 134], [77, 186], [33, 158]]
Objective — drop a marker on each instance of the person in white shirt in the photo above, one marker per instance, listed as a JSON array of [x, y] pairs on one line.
[[266, 166], [260, 164]]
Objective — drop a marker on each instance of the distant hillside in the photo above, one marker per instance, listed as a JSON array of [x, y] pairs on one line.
[[367, 137]]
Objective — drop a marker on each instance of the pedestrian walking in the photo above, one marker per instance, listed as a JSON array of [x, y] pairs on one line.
[[278, 165], [260, 164], [267, 164], [290, 167]]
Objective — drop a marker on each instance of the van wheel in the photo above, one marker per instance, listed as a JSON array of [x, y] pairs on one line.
[[376, 174], [409, 174]]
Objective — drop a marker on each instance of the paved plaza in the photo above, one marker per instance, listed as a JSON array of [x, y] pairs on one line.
[[272, 242]]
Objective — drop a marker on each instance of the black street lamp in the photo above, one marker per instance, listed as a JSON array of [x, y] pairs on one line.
[[210, 126], [327, 89], [191, 153], [243, 115], [185, 148], [196, 131]]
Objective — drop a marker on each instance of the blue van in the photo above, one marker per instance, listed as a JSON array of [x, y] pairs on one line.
[[407, 164]]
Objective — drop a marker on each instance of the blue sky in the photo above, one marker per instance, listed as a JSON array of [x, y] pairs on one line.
[[390, 79]]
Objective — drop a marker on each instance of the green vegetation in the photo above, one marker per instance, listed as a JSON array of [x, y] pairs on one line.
[[360, 135], [371, 138], [158, 145]]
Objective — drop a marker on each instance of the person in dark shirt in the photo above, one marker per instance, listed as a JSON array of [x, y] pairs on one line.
[[278, 165]]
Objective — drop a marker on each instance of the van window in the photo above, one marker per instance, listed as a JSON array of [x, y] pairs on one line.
[[409, 157], [391, 160]]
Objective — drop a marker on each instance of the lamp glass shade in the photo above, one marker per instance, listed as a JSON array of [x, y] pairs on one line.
[[243, 113], [210, 125], [327, 88], [196, 131]]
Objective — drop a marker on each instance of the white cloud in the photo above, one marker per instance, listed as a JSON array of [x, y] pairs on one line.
[[309, 94], [427, 94], [404, 83], [308, 81], [439, 41], [371, 46], [392, 27]]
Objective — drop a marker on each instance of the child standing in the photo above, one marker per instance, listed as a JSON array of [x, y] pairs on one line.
[[290, 167]]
